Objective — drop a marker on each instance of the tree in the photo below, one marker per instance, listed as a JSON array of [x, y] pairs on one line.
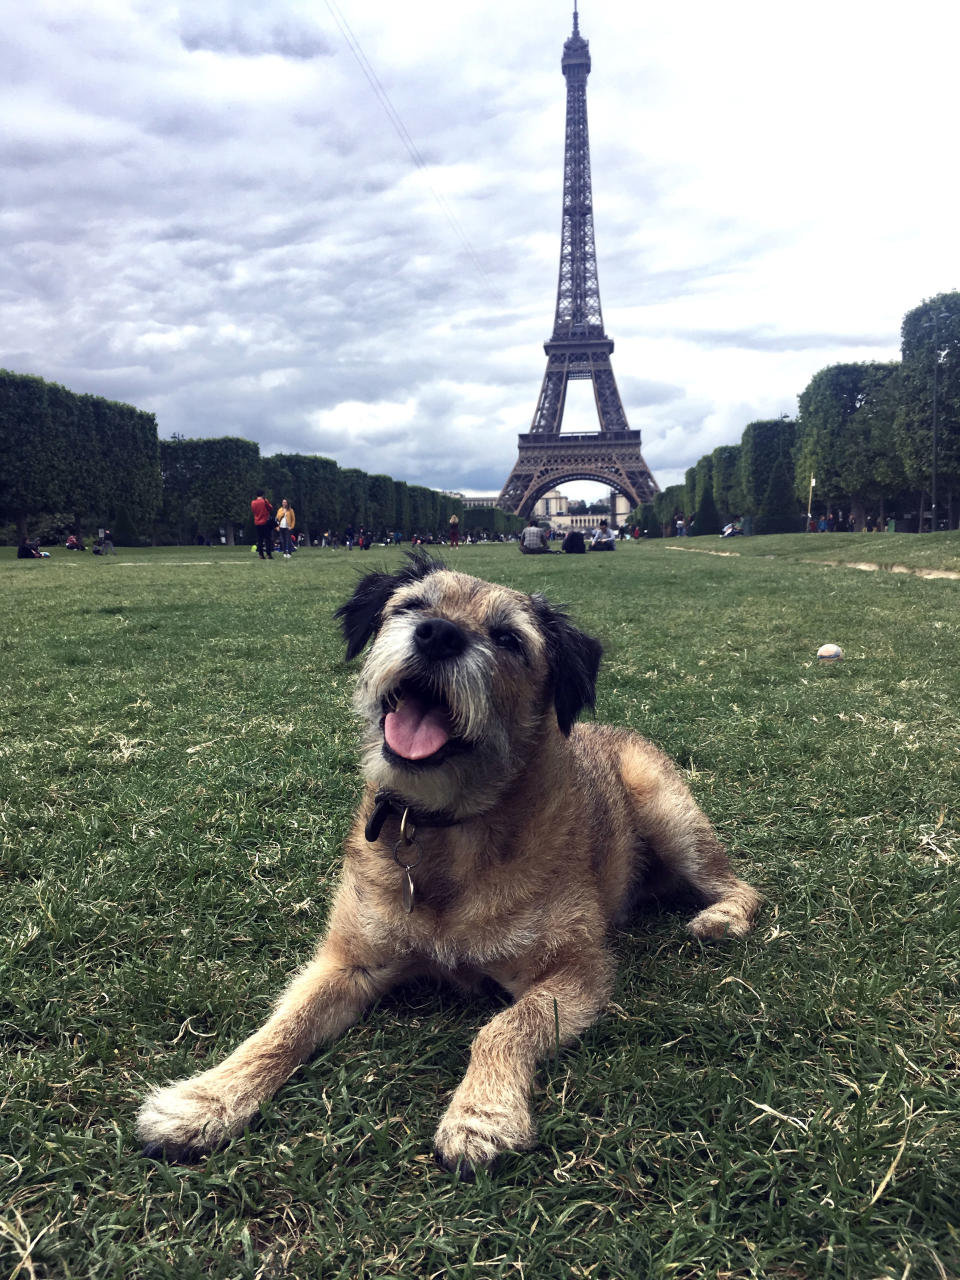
[[423, 513], [667, 505], [846, 439], [311, 484], [177, 465], [727, 494], [401, 498], [930, 346], [329, 485], [354, 490], [706, 521], [779, 509], [207, 485], [702, 481], [689, 504], [383, 503], [64, 452], [225, 482], [33, 451], [126, 452], [492, 521], [762, 444], [647, 521]]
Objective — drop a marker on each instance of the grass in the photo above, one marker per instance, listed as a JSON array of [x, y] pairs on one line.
[[178, 767]]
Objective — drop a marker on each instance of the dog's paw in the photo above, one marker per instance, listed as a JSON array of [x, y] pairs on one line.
[[722, 920], [184, 1120], [472, 1134]]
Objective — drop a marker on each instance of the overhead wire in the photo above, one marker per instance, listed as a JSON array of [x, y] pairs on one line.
[[396, 120]]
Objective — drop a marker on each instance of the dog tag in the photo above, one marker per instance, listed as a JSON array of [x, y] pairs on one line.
[[407, 892], [407, 895]]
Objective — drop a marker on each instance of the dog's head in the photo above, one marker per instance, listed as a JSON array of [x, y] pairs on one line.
[[464, 683]]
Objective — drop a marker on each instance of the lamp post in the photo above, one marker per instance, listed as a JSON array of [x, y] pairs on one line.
[[810, 501], [935, 321]]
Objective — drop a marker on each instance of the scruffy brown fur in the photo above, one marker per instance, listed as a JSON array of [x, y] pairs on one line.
[[533, 836]]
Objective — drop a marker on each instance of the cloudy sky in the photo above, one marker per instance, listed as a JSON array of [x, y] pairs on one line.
[[334, 227]]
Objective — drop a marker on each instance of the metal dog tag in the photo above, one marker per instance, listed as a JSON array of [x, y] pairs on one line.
[[407, 894], [407, 833]]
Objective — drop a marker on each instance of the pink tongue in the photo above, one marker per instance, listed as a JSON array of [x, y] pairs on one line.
[[415, 731]]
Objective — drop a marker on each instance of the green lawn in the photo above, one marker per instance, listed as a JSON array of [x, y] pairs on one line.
[[178, 766]]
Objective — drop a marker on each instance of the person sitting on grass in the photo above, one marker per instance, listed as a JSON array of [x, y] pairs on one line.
[[573, 543], [533, 541], [603, 539]]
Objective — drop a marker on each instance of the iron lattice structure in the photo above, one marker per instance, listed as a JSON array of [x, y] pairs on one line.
[[579, 347]]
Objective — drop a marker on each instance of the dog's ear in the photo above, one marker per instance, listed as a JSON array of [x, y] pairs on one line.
[[360, 616], [574, 659]]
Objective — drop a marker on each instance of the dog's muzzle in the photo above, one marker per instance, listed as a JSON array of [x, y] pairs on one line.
[[417, 724]]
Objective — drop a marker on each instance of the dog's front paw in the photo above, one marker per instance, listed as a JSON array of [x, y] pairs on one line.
[[474, 1132], [722, 920], [184, 1120]]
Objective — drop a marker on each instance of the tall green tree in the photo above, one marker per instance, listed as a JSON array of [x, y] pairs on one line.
[[762, 443], [60, 452], [702, 481], [330, 497], [176, 521], [311, 484], [726, 481], [354, 489], [382, 498], [930, 346], [846, 437], [208, 485], [707, 520], [689, 492], [668, 504], [402, 509], [33, 451], [645, 518], [779, 509], [127, 452], [227, 478]]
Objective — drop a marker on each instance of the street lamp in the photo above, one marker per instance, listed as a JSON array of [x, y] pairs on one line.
[[935, 321], [810, 501]]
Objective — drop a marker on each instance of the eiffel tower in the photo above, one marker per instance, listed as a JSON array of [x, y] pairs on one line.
[[579, 347]]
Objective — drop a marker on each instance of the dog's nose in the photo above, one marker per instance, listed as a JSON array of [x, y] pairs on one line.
[[437, 638]]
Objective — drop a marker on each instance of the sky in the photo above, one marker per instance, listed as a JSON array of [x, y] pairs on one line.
[[334, 227]]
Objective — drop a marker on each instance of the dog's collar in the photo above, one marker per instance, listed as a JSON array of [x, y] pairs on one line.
[[386, 803]]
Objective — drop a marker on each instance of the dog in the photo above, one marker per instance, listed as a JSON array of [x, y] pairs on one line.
[[497, 838]]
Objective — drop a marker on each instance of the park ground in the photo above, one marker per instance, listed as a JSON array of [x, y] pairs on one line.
[[178, 767]]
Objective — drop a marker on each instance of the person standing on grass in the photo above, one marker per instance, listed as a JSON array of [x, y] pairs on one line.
[[454, 530], [286, 519], [263, 521]]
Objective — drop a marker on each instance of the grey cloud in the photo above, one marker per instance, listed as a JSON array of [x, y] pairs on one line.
[[181, 245], [250, 35], [643, 392], [764, 338]]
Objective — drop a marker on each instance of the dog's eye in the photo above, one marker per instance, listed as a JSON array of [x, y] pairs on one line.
[[415, 603], [508, 640]]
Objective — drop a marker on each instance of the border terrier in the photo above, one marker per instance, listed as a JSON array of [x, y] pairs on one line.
[[497, 838]]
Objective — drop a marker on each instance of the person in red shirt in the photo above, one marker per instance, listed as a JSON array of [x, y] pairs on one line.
[[263, 520]]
